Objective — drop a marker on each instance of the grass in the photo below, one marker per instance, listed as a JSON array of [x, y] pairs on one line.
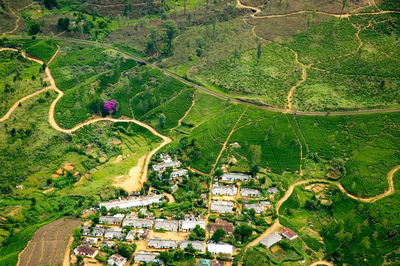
[[364, 142], [352, 232], [326, 91], [269, 78], [19, 77]]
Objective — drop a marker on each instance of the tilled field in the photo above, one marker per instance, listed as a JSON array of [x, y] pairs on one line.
[[48, 244]]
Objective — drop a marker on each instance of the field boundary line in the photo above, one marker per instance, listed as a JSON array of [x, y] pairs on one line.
[[227, 139], [217, 94]]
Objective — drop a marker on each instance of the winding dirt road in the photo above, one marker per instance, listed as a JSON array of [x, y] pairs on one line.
[[276, 225], [53, 123]]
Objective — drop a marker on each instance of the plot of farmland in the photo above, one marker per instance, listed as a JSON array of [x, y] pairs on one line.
[[48, 244]]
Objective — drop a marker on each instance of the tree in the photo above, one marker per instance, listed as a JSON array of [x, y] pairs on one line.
[[218, 235], [96, 105], [198, 233], [259, 51], [161, 120], [243, 232], [49, 4], [254, 154], [63, 24], [125, 250], [33, 28]]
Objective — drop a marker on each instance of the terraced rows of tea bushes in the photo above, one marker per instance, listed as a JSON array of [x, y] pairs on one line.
[[367, 144]]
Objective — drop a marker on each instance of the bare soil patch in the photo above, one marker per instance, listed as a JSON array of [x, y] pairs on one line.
[[49, 243], [134, 181]]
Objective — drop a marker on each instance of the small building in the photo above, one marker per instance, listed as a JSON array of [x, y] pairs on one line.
[[111, 220], [162, 166], [273, 190], [95, 231], [142, 234], [224, 190], [221, 224], [90, 240], [271, 240], [107, 243], [114, 233], [231, 177], [130, 236], [257, 207], [117, 260], [179, 173], [189, 225], [174, 188], [215, 248], [249, 192], [157, 242], [288, 233], [197, 245], [222, 206], [204, 262], [167, 225], [217, 263], [144, 256], [86, 251], [138, 223]]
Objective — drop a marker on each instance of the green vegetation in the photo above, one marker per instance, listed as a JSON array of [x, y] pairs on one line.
[[364, 143], [269, 76], [352, 232], [19, 77]]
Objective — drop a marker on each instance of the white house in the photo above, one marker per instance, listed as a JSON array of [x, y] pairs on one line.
[[144, 256], [138, 222], [224, 190], [178, 173], [133, 202], [165, 165], [222, 206], [117, 260], [157, 242], [249, 192], [235, 177], [215, 248], [271, 240], [167, 225], [197, 245], [189, 225]]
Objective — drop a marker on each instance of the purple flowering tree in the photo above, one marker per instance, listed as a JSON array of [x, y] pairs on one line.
[[110, 106]]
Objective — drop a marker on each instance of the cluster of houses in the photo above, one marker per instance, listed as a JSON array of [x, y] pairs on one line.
[[131, 228], [274, 238], [167, 162]]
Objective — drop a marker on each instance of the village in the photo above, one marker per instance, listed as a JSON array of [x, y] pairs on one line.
[[208, 237]]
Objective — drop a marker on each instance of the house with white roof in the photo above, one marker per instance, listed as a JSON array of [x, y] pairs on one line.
[[179, 172], [138, 222], [144, 256], [249, 192], [224, 190], [215, 248], [167, 225], [130, 236], [162, 166], [189, 225], [222, 206], [230, 177], [117, 260], [114, 233], [271, 240], [131, 202], [197, 245], [157, 242], [111, 220]]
